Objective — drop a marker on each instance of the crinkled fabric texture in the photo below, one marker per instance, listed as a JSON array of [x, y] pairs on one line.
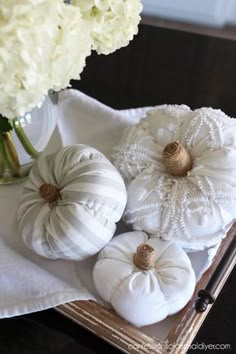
[[83, 219], [115, 22], [144, 297], [196, 210], [43, 45]]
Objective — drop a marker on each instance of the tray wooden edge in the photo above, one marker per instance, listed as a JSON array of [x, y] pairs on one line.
[[106, 324]]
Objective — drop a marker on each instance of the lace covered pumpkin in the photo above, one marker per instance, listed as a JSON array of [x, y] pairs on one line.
[[179, 166]]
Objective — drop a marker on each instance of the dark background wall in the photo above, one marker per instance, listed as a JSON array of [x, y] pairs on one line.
[[165, 66], [159, 66]]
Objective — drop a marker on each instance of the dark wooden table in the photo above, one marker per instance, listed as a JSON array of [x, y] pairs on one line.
[[48, 332]]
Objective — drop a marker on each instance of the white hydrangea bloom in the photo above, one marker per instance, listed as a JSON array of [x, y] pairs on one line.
[[43, 45], [115, 22]]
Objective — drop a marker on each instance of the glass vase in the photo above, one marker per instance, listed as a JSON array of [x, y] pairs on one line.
[[29, 136]]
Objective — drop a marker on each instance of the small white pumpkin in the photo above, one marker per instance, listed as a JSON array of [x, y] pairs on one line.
[[180, 171], [70, 203], [145, 280]]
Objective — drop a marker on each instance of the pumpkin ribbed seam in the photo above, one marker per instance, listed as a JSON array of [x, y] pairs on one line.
[[121, 282], [134, 271], [115, 259], [163, 293], [158, 276], [168, 246], [46, 235], [91, 211]]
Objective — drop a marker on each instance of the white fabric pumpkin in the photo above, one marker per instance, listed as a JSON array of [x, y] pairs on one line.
[[195, 207], [142, 296], [70, 203]]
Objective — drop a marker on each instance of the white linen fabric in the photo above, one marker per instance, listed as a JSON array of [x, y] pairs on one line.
[[144, 297], [29, 282], [197, 209], [92, 197]]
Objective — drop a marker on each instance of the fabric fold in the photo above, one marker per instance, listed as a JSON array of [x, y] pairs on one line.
[[29, 282]]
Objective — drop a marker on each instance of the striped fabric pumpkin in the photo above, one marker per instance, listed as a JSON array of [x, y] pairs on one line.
[[70, 203]]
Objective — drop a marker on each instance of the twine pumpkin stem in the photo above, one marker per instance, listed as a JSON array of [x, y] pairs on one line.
[[144, 258], [177, 159], [49, 192]]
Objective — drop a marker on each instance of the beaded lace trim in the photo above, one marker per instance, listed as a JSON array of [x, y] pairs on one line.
[[138, 158]]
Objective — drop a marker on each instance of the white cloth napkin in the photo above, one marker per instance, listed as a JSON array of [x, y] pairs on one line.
[[29, 282]]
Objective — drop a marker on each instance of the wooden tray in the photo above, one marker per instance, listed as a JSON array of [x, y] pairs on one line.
[[108, 325]]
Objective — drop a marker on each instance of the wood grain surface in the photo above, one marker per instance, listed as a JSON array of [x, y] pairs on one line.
[[106, 324]]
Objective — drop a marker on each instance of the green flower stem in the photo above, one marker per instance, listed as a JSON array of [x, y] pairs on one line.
[[9, 155], [2, 151], [24, 139], [2, 166]]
